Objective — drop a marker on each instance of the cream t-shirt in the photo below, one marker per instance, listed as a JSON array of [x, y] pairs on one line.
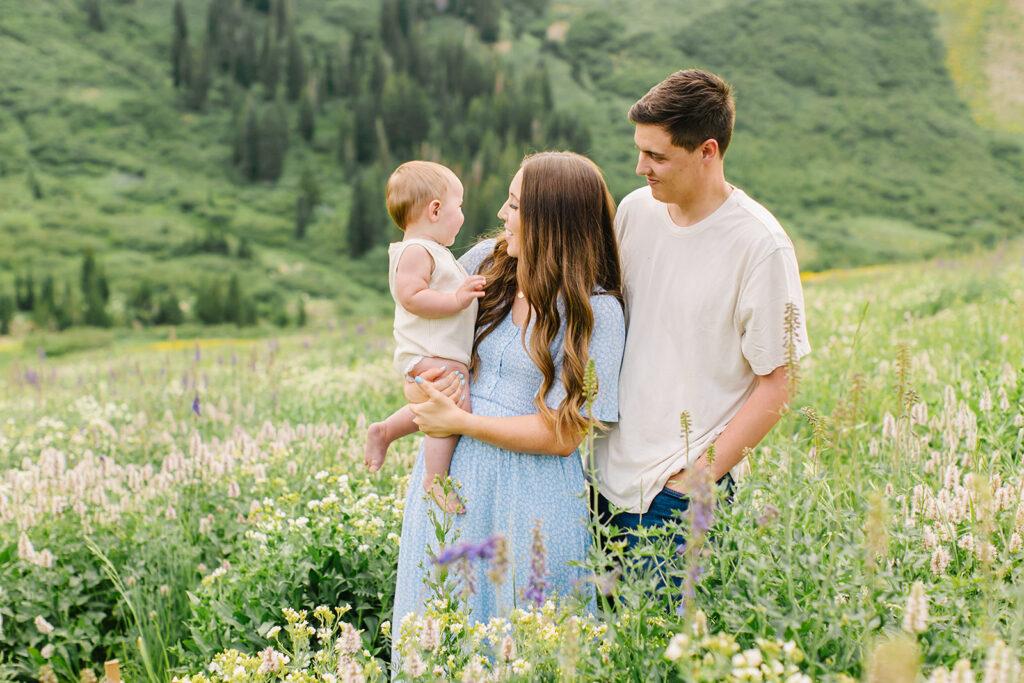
[[450, 337], [705, 308]]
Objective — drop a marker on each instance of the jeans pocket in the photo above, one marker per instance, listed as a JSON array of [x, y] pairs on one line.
[[675, 494]]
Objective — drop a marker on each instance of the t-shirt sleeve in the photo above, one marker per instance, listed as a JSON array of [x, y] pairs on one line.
[[472, 259], [606, 345], [772, 286]]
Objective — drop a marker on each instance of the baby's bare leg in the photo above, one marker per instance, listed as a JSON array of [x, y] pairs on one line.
[[380, 435], [437, 452]]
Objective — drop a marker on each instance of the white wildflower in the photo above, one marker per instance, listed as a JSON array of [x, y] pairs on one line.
[[272, 661], [508, 649], [1015, 543], [430, 634], [414, 665], [915, 615], [45, 627], [676, 647], [940, 560], [348, 640], [966, 542], [234, 490], [939, 675], [962, 672], [47, 651]]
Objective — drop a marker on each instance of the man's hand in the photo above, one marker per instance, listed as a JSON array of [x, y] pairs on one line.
[[754, 420]]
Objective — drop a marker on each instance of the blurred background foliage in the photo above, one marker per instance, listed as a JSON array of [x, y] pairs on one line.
[[223, 161]]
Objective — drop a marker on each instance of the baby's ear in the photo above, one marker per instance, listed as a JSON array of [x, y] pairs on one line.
[[434, 209]]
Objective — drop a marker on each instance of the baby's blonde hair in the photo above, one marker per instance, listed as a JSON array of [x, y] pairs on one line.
[[412, 186]]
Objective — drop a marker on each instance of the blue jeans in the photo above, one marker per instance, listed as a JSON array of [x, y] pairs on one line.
[[667, 506]]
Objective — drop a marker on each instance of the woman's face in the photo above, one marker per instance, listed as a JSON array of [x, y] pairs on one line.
[[509, 213]]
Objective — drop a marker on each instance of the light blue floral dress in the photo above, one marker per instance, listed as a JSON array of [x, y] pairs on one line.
[[506, 493]]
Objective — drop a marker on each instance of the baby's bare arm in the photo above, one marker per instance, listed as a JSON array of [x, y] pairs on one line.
[[412, 287]]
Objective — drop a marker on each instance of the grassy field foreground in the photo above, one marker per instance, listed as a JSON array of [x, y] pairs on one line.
[[201, 510]]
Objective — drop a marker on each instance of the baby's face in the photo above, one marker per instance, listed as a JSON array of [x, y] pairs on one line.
[[450, 216]]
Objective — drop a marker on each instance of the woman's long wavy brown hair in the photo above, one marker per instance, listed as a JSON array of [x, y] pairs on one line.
[[567, 252]]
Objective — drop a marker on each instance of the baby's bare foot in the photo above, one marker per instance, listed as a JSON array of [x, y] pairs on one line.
[[376, 446], [446, 500]]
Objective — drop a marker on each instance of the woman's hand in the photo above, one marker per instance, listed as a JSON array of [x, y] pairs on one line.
[[453, 385], [438, 416]]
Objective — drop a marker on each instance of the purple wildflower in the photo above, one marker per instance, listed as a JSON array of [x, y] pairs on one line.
[[463, 568], [467, 550], [537, 585], [32, 377], [195, 405], [198, 354], [41, 352]]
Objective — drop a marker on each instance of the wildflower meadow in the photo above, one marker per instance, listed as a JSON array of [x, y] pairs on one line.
[[199, 510]]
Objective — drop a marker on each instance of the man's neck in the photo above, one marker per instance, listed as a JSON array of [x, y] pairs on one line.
[[700, 205]]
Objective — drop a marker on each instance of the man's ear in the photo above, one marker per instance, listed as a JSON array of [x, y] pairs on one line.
[[709, 149]]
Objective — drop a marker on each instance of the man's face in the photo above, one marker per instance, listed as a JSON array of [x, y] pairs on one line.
[[672, 172]]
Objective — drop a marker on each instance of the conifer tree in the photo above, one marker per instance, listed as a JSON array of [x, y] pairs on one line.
[[47, 303], [360, 233], [94, 15], [308, 197], [88, 271], [246, 59], [282, 17], [169, 311], [487, 19], [209, 307], [270, 63], [141, 304], [24, 292], [272, 144], [6, 313], [248, 142], [95, 310], [233, 305], [200, 78], [346, 143], [64, 316], [307, 116], [365, 130], [405, 113], [296, 70], [179, 44], [33, 183], [244, 250]]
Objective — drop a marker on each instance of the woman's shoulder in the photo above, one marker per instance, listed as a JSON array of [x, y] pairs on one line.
[[607, 308], [472, 259]]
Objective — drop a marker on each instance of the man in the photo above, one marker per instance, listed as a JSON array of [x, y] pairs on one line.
[[709, 276]]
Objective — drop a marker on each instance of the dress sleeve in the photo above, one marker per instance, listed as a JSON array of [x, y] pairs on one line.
[[606, 345], [472, 259]]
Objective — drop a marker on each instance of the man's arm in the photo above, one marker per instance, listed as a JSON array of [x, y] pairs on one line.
[[755, 419]]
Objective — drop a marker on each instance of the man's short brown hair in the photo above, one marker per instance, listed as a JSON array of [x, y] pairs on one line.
[[412, 186], [692, 106]]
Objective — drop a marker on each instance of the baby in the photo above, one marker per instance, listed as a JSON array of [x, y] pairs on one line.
[[435, 306]]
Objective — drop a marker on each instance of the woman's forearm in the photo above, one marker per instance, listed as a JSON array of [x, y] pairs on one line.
[[523, 433]]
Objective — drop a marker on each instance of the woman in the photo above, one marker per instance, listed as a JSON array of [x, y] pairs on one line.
[[552, 300]]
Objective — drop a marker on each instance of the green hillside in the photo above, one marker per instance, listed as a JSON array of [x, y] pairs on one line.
[[850, 128], [986, 58]]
